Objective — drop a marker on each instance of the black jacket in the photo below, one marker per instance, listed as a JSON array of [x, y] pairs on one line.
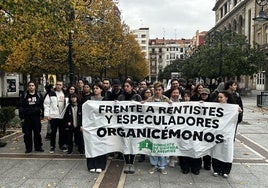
[[31, 105], [68, 117]]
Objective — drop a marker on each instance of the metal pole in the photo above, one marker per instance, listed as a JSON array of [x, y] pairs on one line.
[[220, 63], [70, 57]]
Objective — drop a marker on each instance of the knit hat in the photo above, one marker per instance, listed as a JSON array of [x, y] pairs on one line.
[[205, 90]]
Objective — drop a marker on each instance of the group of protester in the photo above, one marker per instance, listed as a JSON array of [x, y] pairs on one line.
[[62, 107]]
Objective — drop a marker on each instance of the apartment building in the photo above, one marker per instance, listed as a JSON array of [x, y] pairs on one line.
[[163, 52], [142, 37]]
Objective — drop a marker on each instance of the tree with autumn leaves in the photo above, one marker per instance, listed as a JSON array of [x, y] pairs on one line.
[[34, 39]]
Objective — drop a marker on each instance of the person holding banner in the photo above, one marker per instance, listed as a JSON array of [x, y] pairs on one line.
[[221, 167], [189, 163], [206, 97], [97, 164], [175, 96], [196, 96], [129, 95], [145, 94], [231, 87], [159, 163]]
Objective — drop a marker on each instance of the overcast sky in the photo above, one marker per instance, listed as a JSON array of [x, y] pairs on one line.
[[169, 18]]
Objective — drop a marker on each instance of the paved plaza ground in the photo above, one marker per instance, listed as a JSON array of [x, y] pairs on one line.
[[250, 167]]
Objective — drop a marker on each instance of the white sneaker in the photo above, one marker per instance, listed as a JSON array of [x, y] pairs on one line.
[[153, 170], [92, 170], [98, 170], [52, 150], [215, 174], [225, 175], [163, 171]]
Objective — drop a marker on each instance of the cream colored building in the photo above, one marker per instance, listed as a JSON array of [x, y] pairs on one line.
[[163, 52], [142, 37], [237, 16]]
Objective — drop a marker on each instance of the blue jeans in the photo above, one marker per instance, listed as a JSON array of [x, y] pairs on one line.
[[159, 162]]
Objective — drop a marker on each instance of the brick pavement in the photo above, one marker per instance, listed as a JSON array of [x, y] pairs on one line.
[[62, 170]]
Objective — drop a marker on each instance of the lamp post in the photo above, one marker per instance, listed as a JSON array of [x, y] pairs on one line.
[[70, 57], [261, 16]]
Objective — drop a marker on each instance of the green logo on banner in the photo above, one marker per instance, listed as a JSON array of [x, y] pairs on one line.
[[157, 148]]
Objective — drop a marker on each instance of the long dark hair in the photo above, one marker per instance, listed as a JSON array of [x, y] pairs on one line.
[[228, 95]]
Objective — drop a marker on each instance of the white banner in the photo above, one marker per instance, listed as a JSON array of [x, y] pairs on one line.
[[193, 129]]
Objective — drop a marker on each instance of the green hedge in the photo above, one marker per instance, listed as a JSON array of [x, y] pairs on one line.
[[6, 114]]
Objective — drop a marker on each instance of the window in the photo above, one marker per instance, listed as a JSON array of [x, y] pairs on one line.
[[235, 2], [181, 49], [260, 78], [160, 56], [143, 36], [167, 57], [160, 50], [258, 38], [225, 8], [143, 41]]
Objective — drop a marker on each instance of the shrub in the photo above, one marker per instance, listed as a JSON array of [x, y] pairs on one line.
[[6, 114]]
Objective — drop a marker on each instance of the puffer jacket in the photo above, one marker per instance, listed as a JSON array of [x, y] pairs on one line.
[[51, 107]]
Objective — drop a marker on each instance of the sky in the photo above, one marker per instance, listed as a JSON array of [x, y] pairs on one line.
[[172, 19]]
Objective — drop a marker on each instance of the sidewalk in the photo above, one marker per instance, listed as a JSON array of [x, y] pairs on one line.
[[61, 170]]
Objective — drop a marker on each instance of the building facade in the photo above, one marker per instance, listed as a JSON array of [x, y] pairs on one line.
[[237, 16], [142, 37], [163, 52]]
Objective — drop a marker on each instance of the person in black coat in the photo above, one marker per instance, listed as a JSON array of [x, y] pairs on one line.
[[72, 122], [31, 110]]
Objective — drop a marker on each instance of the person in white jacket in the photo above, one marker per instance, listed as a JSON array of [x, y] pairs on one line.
[[54, 105]]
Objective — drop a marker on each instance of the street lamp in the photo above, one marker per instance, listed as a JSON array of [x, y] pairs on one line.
[[262, 16], [70, 57]]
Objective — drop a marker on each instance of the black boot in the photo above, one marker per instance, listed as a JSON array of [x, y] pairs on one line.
[[142, 158]]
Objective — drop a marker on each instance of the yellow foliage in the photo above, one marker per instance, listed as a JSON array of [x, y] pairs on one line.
[[36, 38]]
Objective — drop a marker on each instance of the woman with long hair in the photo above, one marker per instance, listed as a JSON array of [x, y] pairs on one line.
[[129, 94]]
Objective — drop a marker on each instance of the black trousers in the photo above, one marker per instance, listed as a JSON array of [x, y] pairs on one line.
[[55, 125], [31, 125], [207, 161], [187, 163], [96, 162], [129, 159], [221, 167], [72, 133]]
